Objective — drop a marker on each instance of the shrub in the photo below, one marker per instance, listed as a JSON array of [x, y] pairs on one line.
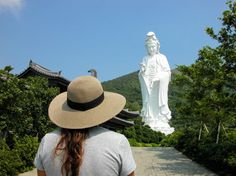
[[133, 142], [10, 161], [26, 149], [218, 157], [172, 139], [147, 145], [155, 145], [143, 134], [18, 159]]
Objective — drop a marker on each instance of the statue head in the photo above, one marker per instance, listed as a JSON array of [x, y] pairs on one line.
[[151, 43]]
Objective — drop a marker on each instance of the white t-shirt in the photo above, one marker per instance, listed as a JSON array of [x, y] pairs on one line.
[[106, 153]]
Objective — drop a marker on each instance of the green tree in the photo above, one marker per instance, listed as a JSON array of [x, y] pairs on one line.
[[10, 161], [143, 133], [208, 86], [24, 104], [23, 119]]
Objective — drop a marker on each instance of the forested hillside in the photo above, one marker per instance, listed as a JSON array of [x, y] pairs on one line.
[[129, 86]]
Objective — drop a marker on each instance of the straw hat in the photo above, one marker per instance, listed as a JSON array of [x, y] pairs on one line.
[[84, 105]]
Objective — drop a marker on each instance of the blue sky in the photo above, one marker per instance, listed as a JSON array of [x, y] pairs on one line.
[[108, 35]]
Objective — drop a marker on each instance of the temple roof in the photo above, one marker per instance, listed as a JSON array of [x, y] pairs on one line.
[[117, 123], [42, 71], [126, 114]]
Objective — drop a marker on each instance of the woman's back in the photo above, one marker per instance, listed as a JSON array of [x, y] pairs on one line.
[[81, 147], [106, 153]]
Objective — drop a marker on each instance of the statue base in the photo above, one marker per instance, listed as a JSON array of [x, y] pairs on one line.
[[160, 126]]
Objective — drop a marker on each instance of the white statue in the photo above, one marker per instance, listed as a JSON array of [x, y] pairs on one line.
[[154, 77]]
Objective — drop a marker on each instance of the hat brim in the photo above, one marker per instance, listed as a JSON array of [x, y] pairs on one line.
[[65, 117]]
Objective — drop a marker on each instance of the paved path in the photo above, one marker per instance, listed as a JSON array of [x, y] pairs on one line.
[[166, 161], [160, 161]]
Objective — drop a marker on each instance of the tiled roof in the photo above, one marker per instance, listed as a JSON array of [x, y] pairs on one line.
[[42, 70]]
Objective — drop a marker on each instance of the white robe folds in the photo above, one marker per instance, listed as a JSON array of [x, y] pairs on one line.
[[154, 77]]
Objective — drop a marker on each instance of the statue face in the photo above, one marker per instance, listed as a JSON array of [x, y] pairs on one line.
[[151, 49]]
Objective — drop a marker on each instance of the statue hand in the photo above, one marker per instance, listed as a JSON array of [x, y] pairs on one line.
[[151, 83], [142, 68], [154, 80], [157, 78]]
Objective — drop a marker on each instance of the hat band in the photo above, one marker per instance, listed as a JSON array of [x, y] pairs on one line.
[[87, 105]]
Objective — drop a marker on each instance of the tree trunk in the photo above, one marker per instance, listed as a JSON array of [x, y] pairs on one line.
[[200, 132], [206, 128], [218, 133]]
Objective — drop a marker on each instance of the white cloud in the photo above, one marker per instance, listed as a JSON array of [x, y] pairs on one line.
[[11, 5]]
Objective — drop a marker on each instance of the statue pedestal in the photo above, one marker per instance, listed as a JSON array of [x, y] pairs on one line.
[[160, 126]]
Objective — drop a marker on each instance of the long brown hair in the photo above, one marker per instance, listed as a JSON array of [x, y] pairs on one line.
[[71, 145]]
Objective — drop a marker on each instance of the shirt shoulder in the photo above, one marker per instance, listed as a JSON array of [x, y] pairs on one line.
[[54, 133], [50, 140], [107, 135]]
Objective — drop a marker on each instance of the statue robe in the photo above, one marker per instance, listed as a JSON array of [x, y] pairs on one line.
[[154, 77]]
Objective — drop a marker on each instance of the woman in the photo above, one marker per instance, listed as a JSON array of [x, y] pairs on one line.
[[80, 146]]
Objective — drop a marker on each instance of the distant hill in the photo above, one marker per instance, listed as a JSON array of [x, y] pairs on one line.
[[129, 86]]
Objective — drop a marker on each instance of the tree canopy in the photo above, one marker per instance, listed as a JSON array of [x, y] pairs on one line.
[[208, 86], [24, 104]]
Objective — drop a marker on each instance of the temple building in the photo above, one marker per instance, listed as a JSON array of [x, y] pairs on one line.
[[55, 79]]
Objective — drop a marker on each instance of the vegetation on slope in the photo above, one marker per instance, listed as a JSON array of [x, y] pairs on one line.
[[128, 86]]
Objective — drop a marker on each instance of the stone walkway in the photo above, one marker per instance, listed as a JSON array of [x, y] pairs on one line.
[[160, 161], [166, 161]]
